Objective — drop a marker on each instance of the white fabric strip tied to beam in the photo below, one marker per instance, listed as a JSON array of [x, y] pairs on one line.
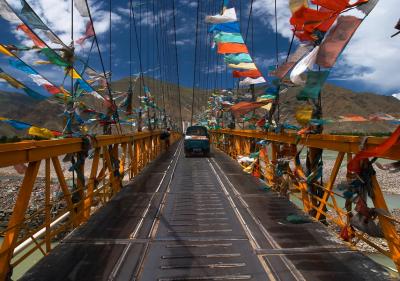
[[251, 81], [7, 13], [306, 63], [229, 15]]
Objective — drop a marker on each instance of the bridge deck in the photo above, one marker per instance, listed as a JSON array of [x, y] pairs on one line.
[[200, 219]]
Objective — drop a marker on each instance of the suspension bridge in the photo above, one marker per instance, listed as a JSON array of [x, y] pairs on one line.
[[108, 192]]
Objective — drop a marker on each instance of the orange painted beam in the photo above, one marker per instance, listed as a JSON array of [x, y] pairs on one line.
[[30, 151], [346, 144]]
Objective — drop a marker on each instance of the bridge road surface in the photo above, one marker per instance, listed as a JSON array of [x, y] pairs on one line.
[[200, 219]]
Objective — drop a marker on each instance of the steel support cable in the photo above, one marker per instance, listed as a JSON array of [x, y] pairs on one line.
[[67, 107], [200, 61], [156, 31], [248, 21], [100, 55], [141, 78], [195, 60], [277, 60], [115, 113], [138, 48], [164, 55], [276, 35], [177, 63], [130, 43], [209, 53], [110, 40], [130, 89], [72, 83], [165, 49]]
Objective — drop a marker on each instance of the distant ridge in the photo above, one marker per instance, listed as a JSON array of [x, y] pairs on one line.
[[336, 101]]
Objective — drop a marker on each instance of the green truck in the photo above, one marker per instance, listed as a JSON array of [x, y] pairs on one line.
[[197, 141]]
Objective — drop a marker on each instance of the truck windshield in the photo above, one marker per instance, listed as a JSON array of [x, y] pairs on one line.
[[196, 131]]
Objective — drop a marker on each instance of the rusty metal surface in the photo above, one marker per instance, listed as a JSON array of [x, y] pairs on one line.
[[209, 221]]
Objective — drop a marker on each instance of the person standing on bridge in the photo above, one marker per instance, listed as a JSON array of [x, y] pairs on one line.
[[165, 135]]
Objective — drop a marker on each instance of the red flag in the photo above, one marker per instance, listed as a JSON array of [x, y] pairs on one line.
[[89, 33], [244, 107], [355, 163], [254, 73], [337, 40], [337, 5], [333, 5], [37, 41], [52, 89], [306, 16]]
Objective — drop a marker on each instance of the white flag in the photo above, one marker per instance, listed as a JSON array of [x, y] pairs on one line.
[[229, 15]]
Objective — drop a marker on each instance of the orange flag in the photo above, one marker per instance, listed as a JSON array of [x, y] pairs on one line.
[[39, 43], [337, 5], [309, 19], [245, 107], [355, 163], [333, 5], [248, 73], [232, 48]]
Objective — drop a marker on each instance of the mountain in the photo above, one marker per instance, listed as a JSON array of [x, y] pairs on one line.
[[48, 113], [336, 101], [397, 96], [170, 96], [23, 108]]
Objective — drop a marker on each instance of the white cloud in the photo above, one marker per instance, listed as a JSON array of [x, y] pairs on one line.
[[265, 11], [372, 49], [371, 58], [215, 68], [188, 3], [184, 42], [57, 15]]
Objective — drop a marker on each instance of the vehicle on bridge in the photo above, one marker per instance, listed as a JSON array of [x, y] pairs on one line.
[[197, 140]]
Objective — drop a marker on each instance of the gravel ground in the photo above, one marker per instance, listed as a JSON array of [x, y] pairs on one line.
[[389, 182]]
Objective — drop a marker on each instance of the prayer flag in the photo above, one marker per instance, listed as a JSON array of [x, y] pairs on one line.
[[315, 81], [231, 48], [337, 40], [38, 42], [229, 15]]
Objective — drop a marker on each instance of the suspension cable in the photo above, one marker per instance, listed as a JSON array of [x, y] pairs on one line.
[[100, 55], [195, 59], [177, 63]]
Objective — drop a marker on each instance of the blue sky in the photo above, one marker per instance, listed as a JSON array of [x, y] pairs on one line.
[[369, 63]]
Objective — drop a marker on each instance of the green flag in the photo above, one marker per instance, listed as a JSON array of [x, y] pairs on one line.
[[315, 81]]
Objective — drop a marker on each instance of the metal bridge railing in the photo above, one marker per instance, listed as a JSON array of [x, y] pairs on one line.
[[98, 178], [317, 199]]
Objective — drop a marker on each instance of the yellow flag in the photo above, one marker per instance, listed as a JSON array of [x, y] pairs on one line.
[[40, 132], [304, 114], [42, 62], [3, 50], [13, 82], [74, 74], [294, 5], [243, 65], [268, 106]]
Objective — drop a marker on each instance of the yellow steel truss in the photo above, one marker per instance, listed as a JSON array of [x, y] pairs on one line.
[[132, 152], [237, 142]]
